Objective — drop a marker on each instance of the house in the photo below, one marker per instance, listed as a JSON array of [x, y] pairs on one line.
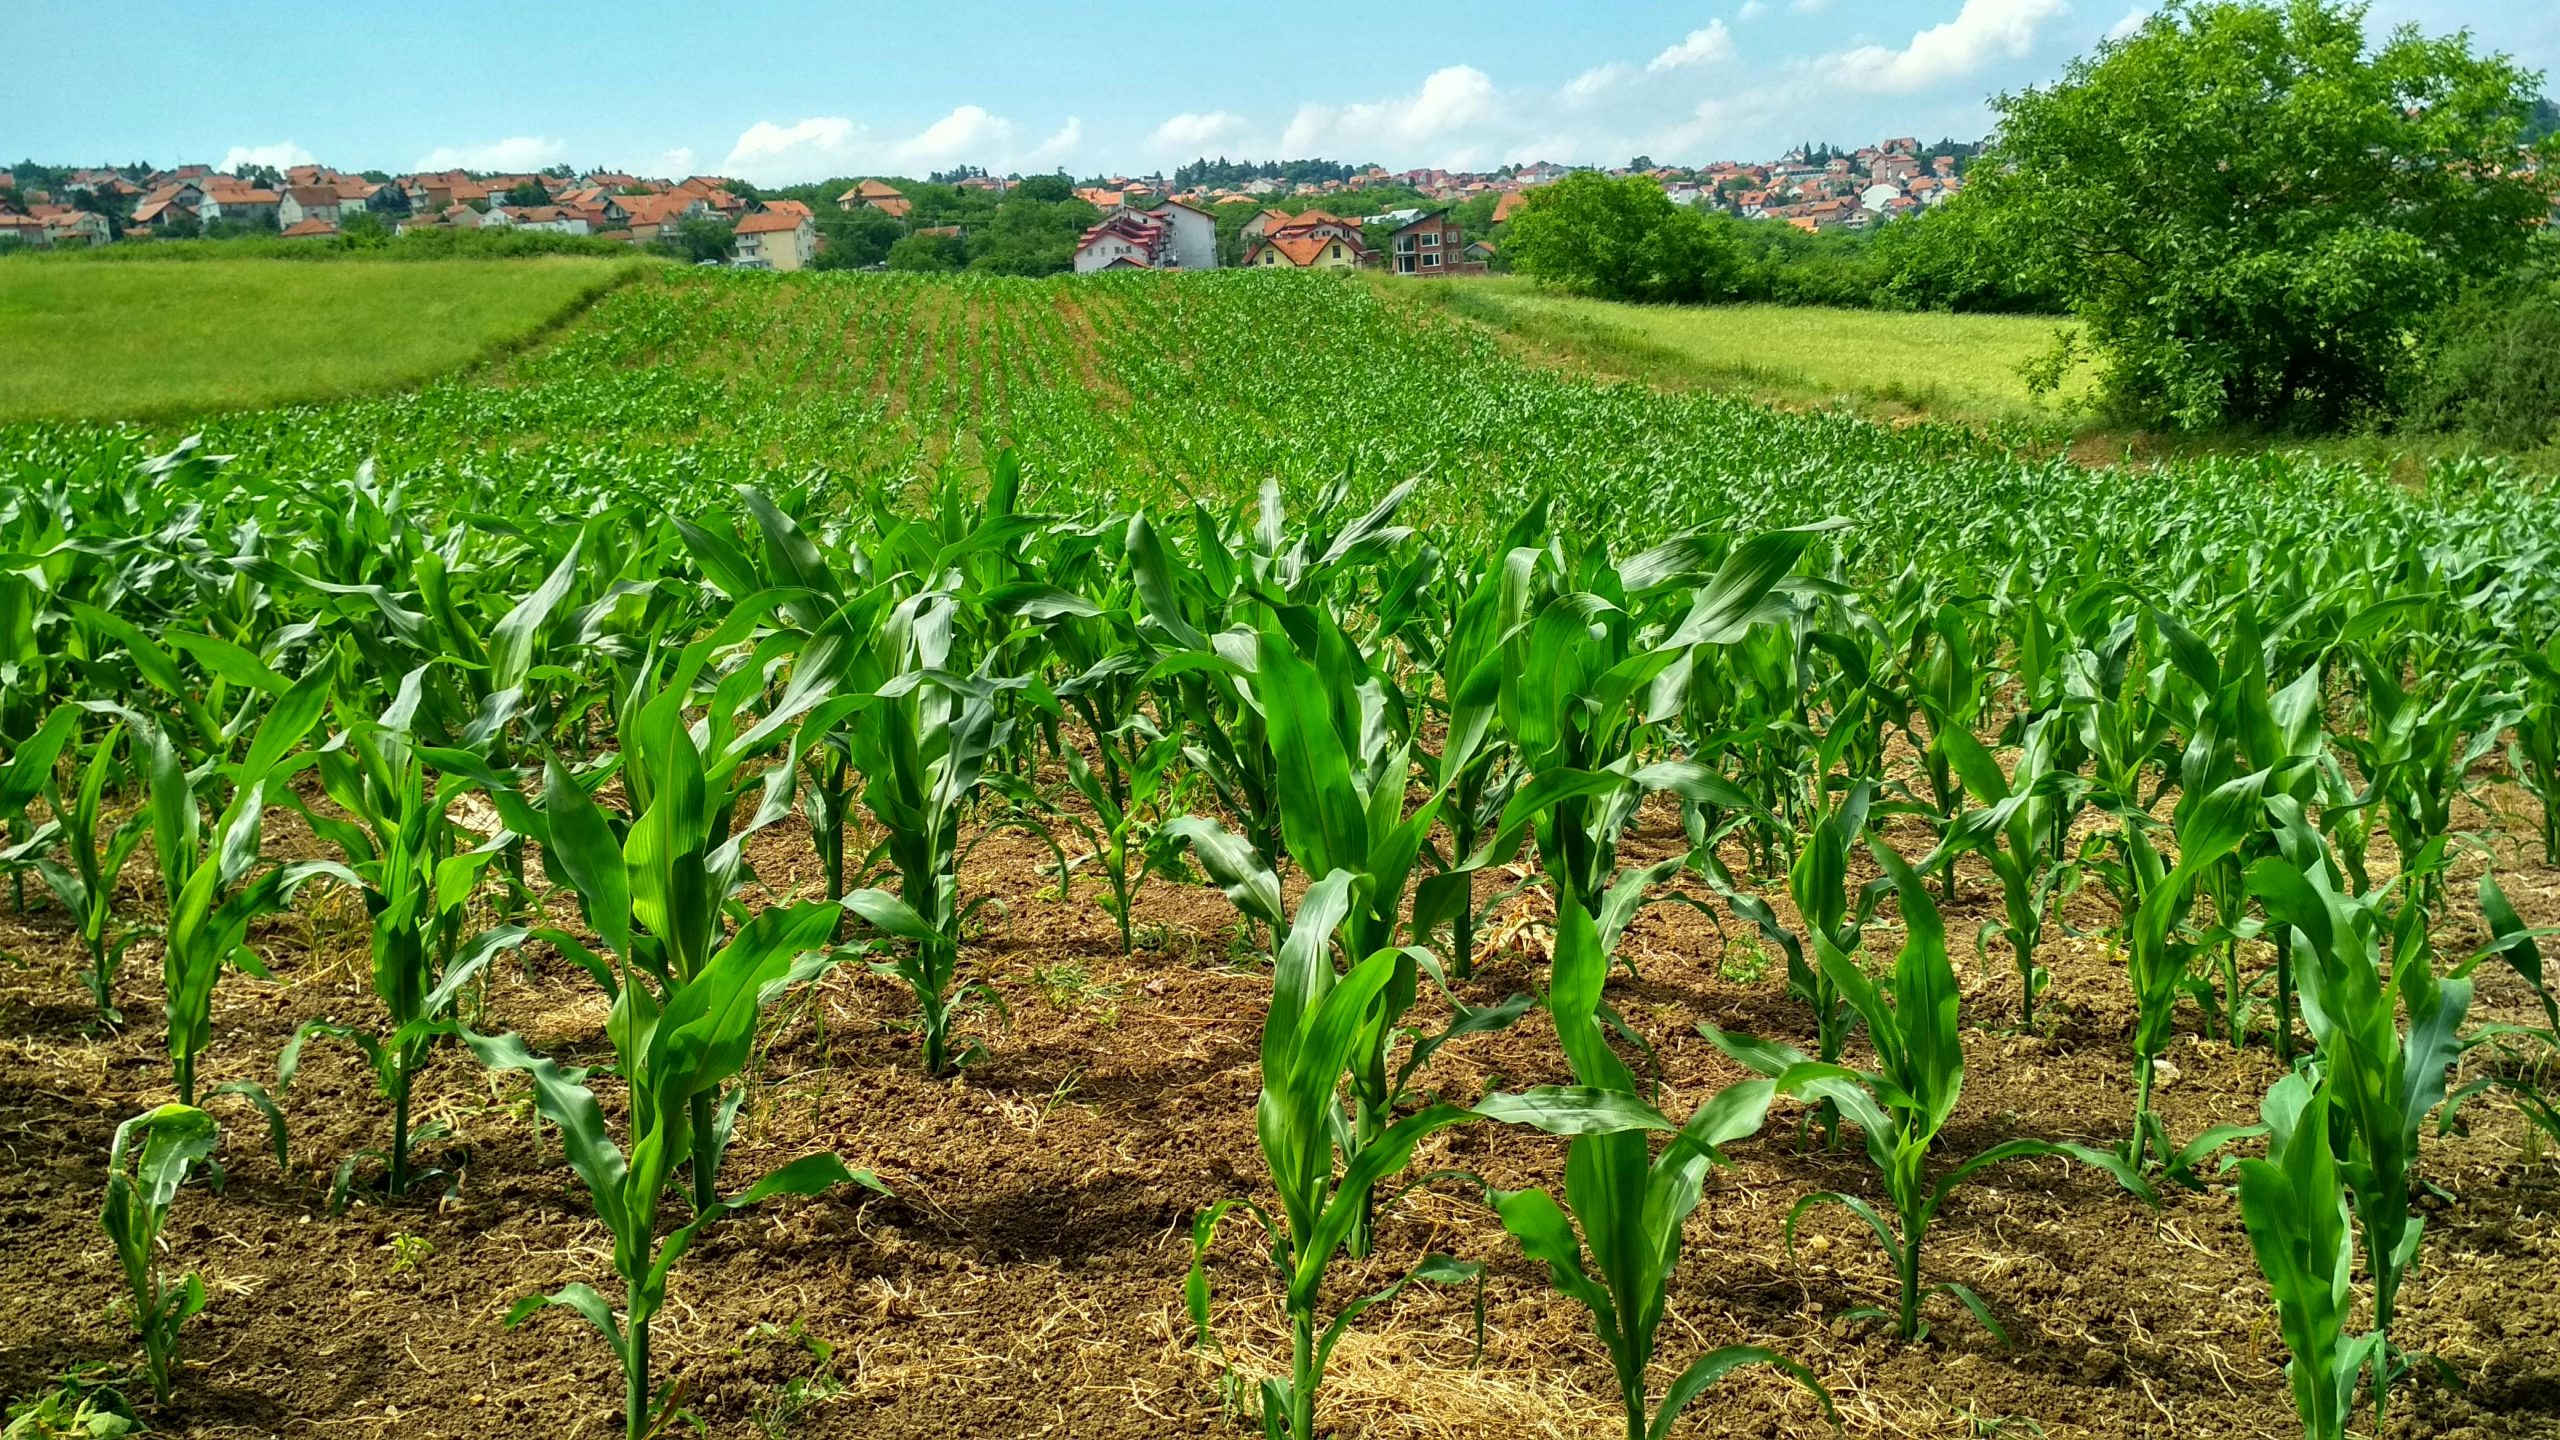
[[237, 202], [308, 202], [1480, 252], [553, 218], [776, 239], [1878, 196], [66, 226], [182, 197], [1194, 231], [309, 229], [1306, 248], [1126, 240], [653, 215], [1263, 223], [1429, 245], [791, 207], [27, 230], [1508, 206], [875, 195]]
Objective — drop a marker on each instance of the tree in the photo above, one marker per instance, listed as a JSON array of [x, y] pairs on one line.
[[1621, 240], [1049, 189], [1030, 236], [935, 254], [700, 239], [854, 239], [2251, 211], [528, 192]]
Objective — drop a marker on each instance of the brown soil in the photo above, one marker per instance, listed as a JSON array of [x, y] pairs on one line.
[[1026, 1279]]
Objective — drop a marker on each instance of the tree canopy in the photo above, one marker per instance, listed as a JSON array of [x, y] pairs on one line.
[[2252, 210]]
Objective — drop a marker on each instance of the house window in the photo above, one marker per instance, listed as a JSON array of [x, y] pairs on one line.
[[1430, 262], [1337, 250], [1431, 241]]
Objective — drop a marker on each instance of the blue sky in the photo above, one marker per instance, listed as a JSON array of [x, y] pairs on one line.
[[796, 90]]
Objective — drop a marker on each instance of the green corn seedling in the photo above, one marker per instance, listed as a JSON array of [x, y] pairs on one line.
[[2294, 1204], [922, 748], [146, 1167], [1626, 1204], [1309, 1039], [1124, 821], [1900, 1107], [2160, 957], [2384, 1076], [673, 1056], [213, 897], [2015, 831], [25, 774], [403, 858], [84, 880]]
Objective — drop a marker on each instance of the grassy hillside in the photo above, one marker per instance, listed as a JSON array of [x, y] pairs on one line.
[[1949, 367], [161, 340]]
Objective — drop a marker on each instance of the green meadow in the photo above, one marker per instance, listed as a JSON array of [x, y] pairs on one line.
[[1886, 363], [165, 340]]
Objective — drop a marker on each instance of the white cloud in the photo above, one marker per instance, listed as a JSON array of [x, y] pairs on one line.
[[2132, 21], [676, 163], [1450, 103], [1983, 31], [1053, 152], [515, 153], [282, 155], [1193, 133], [825, 145], [1751, 10], [1596, 81], [1707, 46]]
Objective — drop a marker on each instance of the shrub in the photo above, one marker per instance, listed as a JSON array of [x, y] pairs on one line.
[[2491, 365]]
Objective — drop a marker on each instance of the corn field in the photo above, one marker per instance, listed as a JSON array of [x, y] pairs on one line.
[[878, 855]]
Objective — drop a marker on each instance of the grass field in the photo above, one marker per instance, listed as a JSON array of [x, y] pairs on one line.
[[1950, 367], [164, 341]]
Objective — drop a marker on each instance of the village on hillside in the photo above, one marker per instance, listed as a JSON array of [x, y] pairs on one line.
[[1297, 215]]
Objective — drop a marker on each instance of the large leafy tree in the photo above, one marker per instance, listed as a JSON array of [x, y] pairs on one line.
[[2252, 209], [1621, 240]]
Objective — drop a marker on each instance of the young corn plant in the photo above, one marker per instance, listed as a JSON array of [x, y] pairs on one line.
[[2161, 956], [673, 1056], [2533, 747], [2529, 1051], [1582, 685], [1125, 819], [93, 857], [1834, 920], [146, 1167], [212, 895], [404, 859], [1309, 1038], [1900, 1106], [2294, 1203], [2016, 830], [1625, 1205], [922, 748], [2384, 1074], [1342, 793], [26, 774], [660, 896]]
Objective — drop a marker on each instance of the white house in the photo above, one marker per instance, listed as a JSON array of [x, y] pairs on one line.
[[1195, 234], [1877, 196]]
